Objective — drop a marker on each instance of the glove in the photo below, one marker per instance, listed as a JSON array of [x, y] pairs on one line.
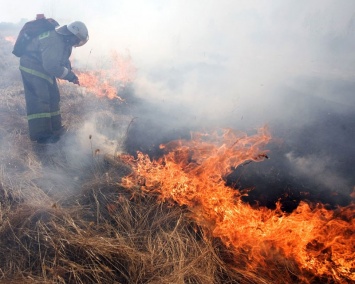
[[76, 81], [71, 77]]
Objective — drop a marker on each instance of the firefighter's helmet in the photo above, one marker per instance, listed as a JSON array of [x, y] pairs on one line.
[[76, 28]]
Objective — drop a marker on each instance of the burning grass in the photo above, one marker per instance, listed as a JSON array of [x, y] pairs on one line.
[[95, 232], [68, 220], [105, 239], [65, 216], [309, 241]]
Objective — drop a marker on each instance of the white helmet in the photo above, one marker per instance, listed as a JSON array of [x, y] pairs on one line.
[[76, 28], [80, 30]]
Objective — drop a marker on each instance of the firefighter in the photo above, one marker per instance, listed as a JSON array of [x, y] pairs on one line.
[[46, 59]]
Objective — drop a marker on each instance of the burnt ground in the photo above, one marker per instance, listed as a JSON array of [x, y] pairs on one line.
[[312, 162]]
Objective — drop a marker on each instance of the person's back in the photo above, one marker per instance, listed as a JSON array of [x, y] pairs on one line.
[[48, 53]]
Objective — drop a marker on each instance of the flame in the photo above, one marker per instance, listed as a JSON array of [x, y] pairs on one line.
[[191, 173], [103, 82], [98, 83], [10, 39]]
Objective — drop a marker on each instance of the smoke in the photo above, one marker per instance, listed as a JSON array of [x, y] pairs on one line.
[[240, 64], [317, 168]]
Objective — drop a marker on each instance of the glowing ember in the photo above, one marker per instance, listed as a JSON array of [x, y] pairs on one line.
[[319, 241], [10, 39], [107, 82]]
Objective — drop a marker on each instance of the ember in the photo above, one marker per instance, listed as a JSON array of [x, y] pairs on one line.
[[10, 39], [191, 173]]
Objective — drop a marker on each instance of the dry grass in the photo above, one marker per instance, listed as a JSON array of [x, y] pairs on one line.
[[105, 238], [64, 218], [101, 233]]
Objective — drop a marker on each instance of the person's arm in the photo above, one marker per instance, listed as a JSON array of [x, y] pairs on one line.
[[52, 51], [52, 48]]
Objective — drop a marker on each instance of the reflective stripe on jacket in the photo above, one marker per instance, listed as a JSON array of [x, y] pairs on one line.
[[37, 73], [43, 115]]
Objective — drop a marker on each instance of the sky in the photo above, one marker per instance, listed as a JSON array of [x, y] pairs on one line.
[[231, 63]]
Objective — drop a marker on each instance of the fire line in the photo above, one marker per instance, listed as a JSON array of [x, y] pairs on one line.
[[191, 174]]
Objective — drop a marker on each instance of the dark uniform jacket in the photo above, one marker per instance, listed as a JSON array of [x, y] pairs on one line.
[[46, 58], [48, 54]]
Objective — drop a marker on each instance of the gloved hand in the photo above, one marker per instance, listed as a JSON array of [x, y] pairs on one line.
[[76, 81], [71, 77]]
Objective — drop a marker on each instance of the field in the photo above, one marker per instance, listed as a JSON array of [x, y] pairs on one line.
[[68, 214]]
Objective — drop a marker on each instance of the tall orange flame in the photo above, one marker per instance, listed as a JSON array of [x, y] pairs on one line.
[[98, 83], [109, 81], [191, 173]]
